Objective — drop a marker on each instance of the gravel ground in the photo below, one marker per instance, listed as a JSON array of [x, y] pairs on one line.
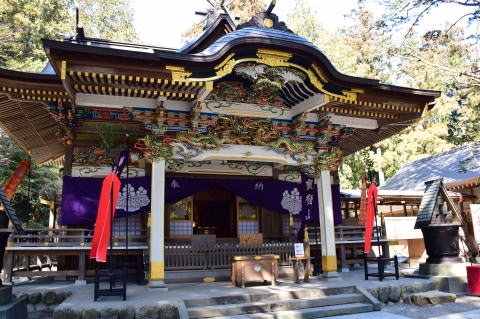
[[462, 304], [45, 314]]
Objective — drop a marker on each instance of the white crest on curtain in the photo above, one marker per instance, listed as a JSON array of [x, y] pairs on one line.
[[136, 198], [174, 184], [309, 199], [259, 186], [309, 184], [292, 201]]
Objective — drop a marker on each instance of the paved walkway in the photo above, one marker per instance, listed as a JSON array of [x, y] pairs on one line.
[[371, 315], [475, 314]]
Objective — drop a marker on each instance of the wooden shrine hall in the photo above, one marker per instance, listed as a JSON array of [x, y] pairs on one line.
[[240, 110]]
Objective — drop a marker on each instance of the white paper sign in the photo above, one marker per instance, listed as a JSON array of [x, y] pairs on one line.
[[475, 210], [299, 252]]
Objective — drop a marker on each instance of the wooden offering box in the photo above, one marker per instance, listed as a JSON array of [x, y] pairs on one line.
[[254, 268]]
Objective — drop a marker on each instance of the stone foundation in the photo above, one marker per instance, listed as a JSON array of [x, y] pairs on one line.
[[159, 310], [399, 292], [40, 301]]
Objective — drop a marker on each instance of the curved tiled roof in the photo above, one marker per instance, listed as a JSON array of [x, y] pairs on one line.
[[446, 165], [254, 33]]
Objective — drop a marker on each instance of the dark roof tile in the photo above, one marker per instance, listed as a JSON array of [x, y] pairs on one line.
[[255, 33]]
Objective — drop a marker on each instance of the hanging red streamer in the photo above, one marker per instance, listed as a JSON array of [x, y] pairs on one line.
[[14, 181], [371, 204], [101, 235]]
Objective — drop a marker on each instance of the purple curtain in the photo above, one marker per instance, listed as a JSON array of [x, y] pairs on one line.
[[337, 205], [81, 195], [277, 196]]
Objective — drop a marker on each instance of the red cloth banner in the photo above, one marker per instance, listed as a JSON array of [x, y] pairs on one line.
[[101, 235], [371, 204], [14, 181]]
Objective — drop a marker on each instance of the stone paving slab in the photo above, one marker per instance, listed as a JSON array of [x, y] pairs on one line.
[[142, 296], [183, 291], [371, 315]]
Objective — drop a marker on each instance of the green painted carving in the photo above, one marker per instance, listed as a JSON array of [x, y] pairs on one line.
[[216, 105], [87, 171], [200, 141], [296, 148], [329, 160], [252, 168]]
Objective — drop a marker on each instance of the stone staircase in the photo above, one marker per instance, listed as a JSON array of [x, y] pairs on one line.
[[294, 304]]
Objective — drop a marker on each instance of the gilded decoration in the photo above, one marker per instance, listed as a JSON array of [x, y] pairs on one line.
[[228, 130], [265, 84], [92, 155], [322, 149], [244, 130], [274, 58]]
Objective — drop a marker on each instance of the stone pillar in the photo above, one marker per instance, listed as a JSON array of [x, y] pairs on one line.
[[327, 227], [157, 221]]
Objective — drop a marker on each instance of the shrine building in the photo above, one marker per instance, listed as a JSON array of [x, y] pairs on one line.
[[237, 135]]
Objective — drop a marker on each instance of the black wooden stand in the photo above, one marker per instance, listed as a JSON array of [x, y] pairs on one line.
[[381, 263], [112, 275], [382, 260]]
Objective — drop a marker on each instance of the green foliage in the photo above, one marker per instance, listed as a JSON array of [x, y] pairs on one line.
[[303, 21], [443, 59], [23, 23], [108, 19], [45, 182]]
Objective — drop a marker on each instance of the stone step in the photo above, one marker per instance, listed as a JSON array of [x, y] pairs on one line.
[[270, 296], [273, 306], [433, 297], [308, 313]]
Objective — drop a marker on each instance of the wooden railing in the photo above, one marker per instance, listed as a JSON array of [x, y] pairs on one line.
[[217, 256], [46, 237], [29, 254], [350, 243]]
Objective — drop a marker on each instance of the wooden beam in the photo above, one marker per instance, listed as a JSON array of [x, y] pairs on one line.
[[67, 83]]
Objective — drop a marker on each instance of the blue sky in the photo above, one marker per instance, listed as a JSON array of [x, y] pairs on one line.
[[161, 22]]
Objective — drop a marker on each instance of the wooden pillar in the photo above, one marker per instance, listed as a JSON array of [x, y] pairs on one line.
[[67, 166], [157, 221], [327, 226], [81, 268]]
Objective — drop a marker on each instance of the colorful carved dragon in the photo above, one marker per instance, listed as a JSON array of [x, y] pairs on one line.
[[329, 160], [200, 141], [156, 148], [291, 146]]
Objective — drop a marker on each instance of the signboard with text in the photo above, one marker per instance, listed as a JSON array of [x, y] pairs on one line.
[[299, 251]]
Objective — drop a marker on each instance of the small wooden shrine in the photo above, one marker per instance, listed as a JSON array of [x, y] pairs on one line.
[[244, 102]]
